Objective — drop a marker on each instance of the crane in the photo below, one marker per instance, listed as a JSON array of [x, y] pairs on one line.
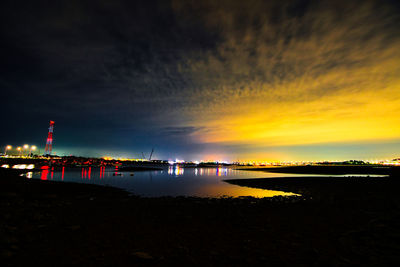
[[151, 154]]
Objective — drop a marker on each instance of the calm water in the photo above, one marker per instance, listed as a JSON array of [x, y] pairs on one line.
[[174, 181]]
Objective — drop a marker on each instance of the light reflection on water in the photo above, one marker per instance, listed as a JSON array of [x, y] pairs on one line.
[[172, 181]]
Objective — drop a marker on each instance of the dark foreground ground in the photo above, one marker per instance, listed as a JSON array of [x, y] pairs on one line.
[[335, 224]]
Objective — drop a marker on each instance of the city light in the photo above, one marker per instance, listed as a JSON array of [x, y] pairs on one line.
[[33, 148], [26, 147], [22, 151], [7, 148]]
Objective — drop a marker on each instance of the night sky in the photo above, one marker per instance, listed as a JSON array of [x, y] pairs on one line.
[[211, 80]]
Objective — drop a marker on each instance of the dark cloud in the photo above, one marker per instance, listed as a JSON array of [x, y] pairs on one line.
[[180, 131]]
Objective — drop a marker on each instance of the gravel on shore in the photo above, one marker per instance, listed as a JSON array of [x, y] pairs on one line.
[[62, 224]]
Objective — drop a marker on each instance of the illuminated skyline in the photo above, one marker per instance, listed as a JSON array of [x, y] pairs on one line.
[[219, 80]]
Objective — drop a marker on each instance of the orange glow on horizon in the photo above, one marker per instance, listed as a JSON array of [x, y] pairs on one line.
[[340, 84]]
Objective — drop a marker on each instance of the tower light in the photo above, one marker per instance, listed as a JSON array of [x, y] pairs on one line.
[[49, 141]]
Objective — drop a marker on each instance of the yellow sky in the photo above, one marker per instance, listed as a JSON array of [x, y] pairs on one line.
[[275, 86]]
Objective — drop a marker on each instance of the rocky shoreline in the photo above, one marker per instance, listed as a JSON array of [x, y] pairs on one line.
[[63, 224]]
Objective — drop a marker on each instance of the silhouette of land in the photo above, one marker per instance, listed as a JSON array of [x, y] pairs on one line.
[[337, 222], [330, 169]]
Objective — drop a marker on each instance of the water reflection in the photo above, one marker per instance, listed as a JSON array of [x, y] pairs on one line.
[[201, 182], [45, 170], [176, 170], [102, 170], [19, 166], [222, 171]]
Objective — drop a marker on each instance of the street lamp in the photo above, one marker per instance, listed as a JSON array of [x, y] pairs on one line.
[[33, 148], [7, 148], [19, 150], [26, 147]]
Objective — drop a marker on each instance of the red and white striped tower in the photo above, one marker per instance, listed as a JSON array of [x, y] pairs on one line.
[[49, 142]]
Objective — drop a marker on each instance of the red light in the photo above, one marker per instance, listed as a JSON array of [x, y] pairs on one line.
[[45, 172]]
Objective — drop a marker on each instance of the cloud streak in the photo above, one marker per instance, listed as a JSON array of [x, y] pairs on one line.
[[227, 77], [327, 74]]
